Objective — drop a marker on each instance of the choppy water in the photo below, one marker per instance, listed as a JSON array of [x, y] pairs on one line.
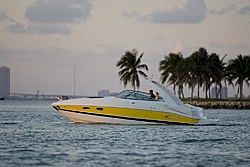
[[32, 133]]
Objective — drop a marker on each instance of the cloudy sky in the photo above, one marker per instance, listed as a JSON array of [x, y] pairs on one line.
[[42, 40]]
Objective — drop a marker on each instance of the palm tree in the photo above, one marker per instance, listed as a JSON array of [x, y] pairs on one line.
[[182, 75], [239, 69], [217, 71], [199, 61], [130, 66], [171, 68], [191, 76]]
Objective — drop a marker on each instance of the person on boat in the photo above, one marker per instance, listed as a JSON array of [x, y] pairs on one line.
[[152, 95], [60, 98], [157, 96]]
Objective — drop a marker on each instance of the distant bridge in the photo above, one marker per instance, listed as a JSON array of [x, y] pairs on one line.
[[24, 96]]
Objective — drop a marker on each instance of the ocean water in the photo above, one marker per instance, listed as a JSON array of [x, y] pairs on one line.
[[32, 133]]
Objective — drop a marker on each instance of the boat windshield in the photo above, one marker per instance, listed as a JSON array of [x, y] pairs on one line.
[[134, 95]]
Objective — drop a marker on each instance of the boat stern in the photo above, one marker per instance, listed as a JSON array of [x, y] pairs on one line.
[[200, 113]]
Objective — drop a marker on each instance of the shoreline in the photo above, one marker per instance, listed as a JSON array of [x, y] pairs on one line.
[[221, 104]]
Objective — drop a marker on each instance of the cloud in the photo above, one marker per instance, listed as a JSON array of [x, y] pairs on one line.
[[157, 38], [240, 46], [244, 10], [193, 12], [44, 29], [59, 56], [3, 15], [50, 29], [48, 56], [53, 17], [16, 28], [8, 55], [58, 11], [216, 45], [181, 46], [223, 11], [131, 14]]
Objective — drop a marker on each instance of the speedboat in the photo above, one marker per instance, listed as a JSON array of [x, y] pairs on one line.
[[133, 107]]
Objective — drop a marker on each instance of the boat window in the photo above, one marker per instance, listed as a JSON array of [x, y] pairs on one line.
[[124, 93], [134, 95]]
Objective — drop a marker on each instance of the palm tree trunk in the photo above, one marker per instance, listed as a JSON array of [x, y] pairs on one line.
[[192, 92], [206, 91], [220, 92], [209, 92], [216, 92], [198, 90], [241, 90], [179, 91], [182, 92], [174, 89]]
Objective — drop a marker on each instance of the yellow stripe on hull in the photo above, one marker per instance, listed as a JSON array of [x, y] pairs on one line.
[[128, 113]]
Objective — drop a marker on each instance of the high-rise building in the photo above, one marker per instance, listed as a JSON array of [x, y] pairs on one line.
[[224, 92], [4, 81], [103, 93]]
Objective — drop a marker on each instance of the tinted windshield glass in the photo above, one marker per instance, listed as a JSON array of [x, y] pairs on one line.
[[135, 95]]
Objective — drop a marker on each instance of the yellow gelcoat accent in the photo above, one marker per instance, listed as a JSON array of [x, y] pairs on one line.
[[133, 113]]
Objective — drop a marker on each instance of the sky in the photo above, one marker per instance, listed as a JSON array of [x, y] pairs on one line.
[[42, 40]]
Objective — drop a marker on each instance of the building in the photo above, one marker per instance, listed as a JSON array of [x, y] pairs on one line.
[[103, 93], [224, 92], [4, 81]]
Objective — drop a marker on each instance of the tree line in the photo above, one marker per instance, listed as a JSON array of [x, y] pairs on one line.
[[199, 70]]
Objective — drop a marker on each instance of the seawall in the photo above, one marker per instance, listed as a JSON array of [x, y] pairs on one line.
[[221, 105]]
